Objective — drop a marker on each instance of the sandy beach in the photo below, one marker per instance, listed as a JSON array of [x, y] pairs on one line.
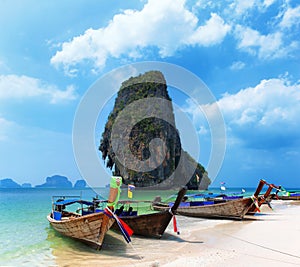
[[267, 239]]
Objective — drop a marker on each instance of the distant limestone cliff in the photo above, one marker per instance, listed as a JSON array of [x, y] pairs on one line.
[[26, 185], [9, 183], [56, 181], [149, 85], [80, 184], [59, 181]]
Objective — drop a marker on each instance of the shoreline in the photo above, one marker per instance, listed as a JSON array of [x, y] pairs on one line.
[[265, 240], [262, 240]]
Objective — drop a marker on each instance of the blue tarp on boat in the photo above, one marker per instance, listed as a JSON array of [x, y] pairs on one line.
[[72, 201], [209, 195]]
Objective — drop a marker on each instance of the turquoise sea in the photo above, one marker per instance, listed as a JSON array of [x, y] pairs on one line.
[[26, 238]]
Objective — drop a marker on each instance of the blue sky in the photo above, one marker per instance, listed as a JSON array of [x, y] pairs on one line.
[[246, 52]]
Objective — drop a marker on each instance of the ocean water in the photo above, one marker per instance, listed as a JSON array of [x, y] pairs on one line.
[[27, 239]]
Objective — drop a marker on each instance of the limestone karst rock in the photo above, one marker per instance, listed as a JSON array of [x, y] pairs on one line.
[[158, 124]]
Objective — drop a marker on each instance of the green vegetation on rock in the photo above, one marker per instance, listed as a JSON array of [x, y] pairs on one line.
[[149, 85]]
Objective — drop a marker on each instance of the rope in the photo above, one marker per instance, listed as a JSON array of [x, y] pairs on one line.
[[134, 249]]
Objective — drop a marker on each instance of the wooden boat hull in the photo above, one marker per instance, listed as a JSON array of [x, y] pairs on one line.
[[234, 209], [228, 209], [260, 201], [152, 224], [288, 197], [90, 229], [148, 225]]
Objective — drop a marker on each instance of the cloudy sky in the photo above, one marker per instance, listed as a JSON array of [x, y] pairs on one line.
[[246, 52]]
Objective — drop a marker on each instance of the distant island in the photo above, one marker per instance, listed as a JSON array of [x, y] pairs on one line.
[[55, 181], [9, 183]]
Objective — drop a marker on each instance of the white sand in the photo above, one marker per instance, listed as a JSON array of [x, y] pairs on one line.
[[269, 239]]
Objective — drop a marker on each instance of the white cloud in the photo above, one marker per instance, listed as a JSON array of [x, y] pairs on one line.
[[277, 40], [291, 17], [167, 25], [237, 65], [266, 115], [203, 4], [271, 102], [268, 46], [241, 6], [21, 87], [268, 3], [213, 32]]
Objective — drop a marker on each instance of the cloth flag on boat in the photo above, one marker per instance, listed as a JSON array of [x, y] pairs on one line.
[[114, 191], [126, 231], [175, 225], [130, 190]]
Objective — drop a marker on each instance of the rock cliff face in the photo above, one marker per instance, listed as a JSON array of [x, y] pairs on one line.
[[149, 85]]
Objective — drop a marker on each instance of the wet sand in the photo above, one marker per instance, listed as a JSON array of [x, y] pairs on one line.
[[267, 239]]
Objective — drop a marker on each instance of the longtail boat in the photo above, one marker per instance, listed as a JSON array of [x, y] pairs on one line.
[[283, 194], [150, 224], [233, 209], [266, 198], [89, 228], [291, 196]]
